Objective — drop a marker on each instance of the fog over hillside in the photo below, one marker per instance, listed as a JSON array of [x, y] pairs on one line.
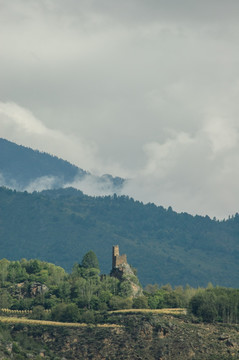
[[22, 169], [147, 91]]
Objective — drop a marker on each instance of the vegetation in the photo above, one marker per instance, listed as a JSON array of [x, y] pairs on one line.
[[141, 337], [22, 165], [36, 287], [44, 291], [41, 301], [60, 226], [216, 304]]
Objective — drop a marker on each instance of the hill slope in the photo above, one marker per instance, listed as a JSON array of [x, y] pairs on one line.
[[152, 338], [23, 168], [60, 226]]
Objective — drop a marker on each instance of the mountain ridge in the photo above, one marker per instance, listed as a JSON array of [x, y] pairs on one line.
[[23, 168], [61, 224], [166, 247]]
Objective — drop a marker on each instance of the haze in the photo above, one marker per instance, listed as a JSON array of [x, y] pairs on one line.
[[143, 90]]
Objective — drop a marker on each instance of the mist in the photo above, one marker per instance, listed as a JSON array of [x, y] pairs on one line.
[[144, 91]]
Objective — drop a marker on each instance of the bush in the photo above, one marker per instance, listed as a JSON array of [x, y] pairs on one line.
[[118, 303], [65, 313], [38, 313], [140, 302]]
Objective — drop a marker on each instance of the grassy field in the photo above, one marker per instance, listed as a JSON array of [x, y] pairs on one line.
[[26, 321], [17, 320], [153, 311]]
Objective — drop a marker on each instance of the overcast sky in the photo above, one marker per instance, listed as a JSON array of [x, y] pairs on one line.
[[147, 90]]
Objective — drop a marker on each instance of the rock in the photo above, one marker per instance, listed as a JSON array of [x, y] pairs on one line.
[[123, 271], [38, 289]]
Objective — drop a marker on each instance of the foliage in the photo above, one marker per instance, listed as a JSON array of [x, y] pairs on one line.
[[140, 302], [61, 225], [45, 291], [65, 313], [90, 260], [20, 164], [216, 304], [35, 287]]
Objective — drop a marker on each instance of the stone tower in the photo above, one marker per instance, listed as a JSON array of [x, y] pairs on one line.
[[123, 271], [117, 259]]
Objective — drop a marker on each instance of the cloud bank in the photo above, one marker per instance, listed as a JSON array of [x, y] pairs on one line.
[[143, 90], [195, 173], [192, 173], [19, 125]]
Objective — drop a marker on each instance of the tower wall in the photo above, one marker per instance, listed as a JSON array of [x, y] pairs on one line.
[[117, 259], [121, 259]]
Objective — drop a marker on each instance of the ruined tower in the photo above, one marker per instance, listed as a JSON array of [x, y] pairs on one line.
[[117, 259], [123, 271]]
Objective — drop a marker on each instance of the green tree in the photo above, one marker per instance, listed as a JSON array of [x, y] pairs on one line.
[[90, 260], [117, 303], [140, 302], [203, 305], [65, 312], [156, 300], [38, 312], [5, 299]]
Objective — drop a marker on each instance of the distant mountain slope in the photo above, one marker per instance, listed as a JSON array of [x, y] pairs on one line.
[[23, 168], [60, 226]]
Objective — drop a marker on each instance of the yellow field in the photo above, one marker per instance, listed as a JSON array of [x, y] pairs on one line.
[[22, 320], [16, 320], [177, 311]]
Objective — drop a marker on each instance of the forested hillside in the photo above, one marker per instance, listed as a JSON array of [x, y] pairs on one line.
[[21, 166], [166, 247]]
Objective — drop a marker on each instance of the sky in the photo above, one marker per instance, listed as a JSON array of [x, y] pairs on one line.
[[145, 90]]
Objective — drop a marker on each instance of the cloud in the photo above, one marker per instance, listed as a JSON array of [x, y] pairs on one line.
[[94, 186], [193, 173], [222, 134], [15, 117], [20, 125], [90, 184], [43, 183], [143, 90], [9, 183]]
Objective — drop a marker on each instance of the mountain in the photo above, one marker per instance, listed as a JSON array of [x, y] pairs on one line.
[[60, 226], [22, 168]]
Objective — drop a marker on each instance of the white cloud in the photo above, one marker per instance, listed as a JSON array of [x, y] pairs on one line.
[[147, 90], [42, 183], [196, 174], [93, 186], [15, 117], [222, 133], [20, 125]]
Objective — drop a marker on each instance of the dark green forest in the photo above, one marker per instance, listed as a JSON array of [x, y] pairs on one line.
[[60, 226]]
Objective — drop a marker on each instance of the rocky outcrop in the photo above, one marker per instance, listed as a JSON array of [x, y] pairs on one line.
[[123, 271], [38, 289]]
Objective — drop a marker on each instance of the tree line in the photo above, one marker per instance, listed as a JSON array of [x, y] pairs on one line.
[[84, 294], [61, 225]]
